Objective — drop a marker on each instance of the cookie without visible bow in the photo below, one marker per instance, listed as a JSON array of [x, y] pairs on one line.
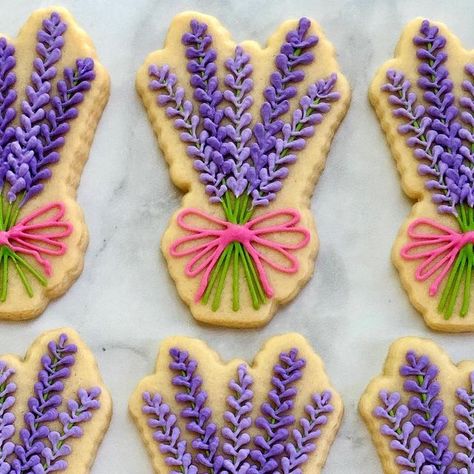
[[197, 414], [52, 93], [420, 411], [246, 132], [54, 407], [424, 98]]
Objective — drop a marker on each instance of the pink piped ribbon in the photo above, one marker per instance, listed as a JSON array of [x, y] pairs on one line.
[[30, 236], [444, 245], [209, 243]]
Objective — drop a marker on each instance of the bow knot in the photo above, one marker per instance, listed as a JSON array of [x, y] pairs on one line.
[[206, 244]]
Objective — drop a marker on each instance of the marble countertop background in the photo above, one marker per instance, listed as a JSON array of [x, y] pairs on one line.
[[124, 304]]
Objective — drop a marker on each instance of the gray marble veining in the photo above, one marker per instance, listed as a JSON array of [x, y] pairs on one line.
[[124, 304]]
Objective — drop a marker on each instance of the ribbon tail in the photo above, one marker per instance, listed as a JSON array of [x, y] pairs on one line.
[[37, 256]]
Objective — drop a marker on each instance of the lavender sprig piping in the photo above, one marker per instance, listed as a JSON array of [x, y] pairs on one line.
[[467, 114], [427, 410], [43, 405], [238, 131], [78, 412], [400, 429], [465, 426], [7, 418], [277, 413], [239, 420], [206, 441], [168, 434], [7, 92], [269, 170], [297, 452], [22, 153]]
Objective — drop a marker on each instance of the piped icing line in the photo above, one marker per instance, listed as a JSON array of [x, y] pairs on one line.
[[439, 131], [242, 160], [283, 443], [206, 253], [29, 148]]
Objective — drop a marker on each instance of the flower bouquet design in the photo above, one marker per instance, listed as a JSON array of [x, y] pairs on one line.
[[234, 137], [190, 427], [44, 139], [59, 415], [421, 411], [431, 131]]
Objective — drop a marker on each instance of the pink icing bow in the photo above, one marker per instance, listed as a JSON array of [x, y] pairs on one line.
[[445, 243], [29, 235], [214, 241]]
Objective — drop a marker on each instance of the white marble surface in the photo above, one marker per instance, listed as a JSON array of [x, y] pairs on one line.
[[124, 304]]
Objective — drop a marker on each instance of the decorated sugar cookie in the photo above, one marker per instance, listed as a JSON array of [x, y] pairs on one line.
[[420, 411], [52, 92], [197, 414], [424, 98], [246, 131], [54, 408]]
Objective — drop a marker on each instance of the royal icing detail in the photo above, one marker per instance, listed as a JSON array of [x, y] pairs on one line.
[[241, 155], [250, 435], [421, 416], [44, 139], [41, 436], [436, 123]]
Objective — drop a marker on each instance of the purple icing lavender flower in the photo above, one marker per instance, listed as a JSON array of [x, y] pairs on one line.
[[239, 420], [206, 441], [43, 405], [167, 433], [7, 91], [464, 427], [40, 449], [435, 133], [78, 412], [417, 428], [276, 413], [228, 153], [273, 453], [29, 148], [7, 418]]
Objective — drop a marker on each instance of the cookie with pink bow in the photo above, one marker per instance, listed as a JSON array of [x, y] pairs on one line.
[[52, 93], [245, 131], [424, 98]]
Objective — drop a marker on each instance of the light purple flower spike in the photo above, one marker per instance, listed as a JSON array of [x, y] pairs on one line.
[[7, 418]]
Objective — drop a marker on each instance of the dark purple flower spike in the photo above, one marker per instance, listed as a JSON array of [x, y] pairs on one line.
[[232, 449], [40, 448]]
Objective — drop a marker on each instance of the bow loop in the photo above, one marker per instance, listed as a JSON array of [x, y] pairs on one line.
[[437, 249], [205, 245], [39, 233]]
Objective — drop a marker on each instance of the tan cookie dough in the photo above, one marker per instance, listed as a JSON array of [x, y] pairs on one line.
[[84, 374], [216, 374], [413, 184], [66, 174], [297, 187]]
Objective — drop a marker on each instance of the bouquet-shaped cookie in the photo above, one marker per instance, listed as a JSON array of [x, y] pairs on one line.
[[54, 409], [420, 412], [245, 131], [425, 99], [279, 415], [51, 96]]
